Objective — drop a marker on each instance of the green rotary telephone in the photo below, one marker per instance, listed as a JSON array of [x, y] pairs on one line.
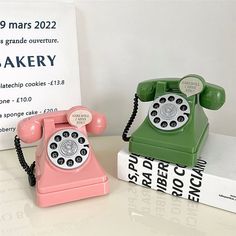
[[176, 126]]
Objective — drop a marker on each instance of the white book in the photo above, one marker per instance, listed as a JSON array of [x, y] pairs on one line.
[[212, 181]]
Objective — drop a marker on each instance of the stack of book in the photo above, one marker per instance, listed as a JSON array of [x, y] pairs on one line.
[[211, 181]]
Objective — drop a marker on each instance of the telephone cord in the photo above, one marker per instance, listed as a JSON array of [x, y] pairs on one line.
[[131, 119], [28, 169]]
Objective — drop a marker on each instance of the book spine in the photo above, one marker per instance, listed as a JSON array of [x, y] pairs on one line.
[[189, 183]]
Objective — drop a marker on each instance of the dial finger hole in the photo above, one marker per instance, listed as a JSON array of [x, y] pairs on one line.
[[183, 108], [78, 159], [171, 98], [54, 154], [65, 134], [164, 124], [81, 140], [162, 100], [153, 113], [53, 146], [173, 123], [179, 101], [74, 135], [70, 162], [83, 152], [157, 120], [57, 138], [60, 161], [156, 105], [180, 119]]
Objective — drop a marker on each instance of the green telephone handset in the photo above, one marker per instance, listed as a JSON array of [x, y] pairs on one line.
[[176, 127]]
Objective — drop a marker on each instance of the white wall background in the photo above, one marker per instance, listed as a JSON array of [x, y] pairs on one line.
[[124, 42]]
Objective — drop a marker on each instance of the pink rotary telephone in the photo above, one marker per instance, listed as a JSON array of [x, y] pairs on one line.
[[65, 167]]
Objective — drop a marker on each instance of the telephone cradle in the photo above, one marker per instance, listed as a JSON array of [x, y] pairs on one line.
[[65, 165], [176, 126]]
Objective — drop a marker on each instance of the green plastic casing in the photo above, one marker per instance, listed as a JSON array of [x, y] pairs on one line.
[[181, 146]]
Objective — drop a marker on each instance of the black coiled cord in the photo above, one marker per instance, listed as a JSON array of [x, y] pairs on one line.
[[131, 119], [28, 169]]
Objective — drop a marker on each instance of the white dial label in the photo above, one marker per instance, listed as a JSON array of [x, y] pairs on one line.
[[191, 85], [80, 118]]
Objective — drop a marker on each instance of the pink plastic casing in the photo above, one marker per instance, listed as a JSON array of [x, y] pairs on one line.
[[55, 185]]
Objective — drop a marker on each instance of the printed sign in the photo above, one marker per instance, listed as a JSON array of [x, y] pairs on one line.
[[39, 70]]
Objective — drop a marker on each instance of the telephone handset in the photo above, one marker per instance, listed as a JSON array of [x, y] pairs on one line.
[[176, 127], [65, 166]]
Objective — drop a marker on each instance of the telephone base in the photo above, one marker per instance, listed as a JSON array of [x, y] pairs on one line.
[[168, 154], [74, 194]]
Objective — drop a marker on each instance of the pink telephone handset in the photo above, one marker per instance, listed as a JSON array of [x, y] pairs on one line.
[[65, 166]]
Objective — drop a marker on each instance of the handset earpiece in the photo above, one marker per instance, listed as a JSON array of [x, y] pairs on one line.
[[29, 130], [98, 123], [146, 90], [212, 97]]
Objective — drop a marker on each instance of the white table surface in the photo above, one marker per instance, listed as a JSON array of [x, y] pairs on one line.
[[127, 210]]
